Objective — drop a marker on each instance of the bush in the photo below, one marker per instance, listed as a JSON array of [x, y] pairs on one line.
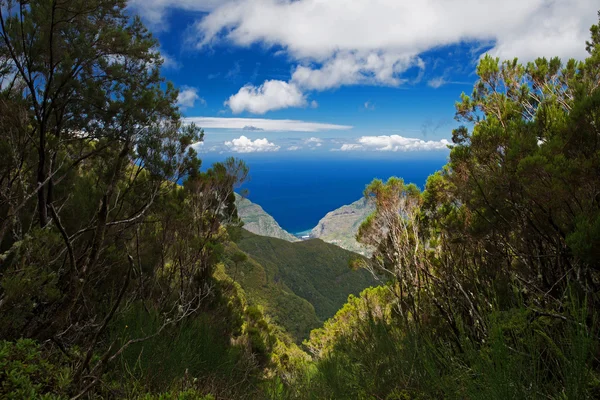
[[189, 394], [27, 372]]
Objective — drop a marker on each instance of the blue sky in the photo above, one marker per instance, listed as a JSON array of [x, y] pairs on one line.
[[340, 76]]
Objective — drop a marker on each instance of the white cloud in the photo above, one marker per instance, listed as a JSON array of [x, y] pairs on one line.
[[317, 29], [350, 147], [394, 143], [293, 148], [271, 95], [197, 146], [245, 145], [188, 96], [314, 104], [436, 82], [277, 125], [350, 68], [168, 61], [369, 106], [337, 42], [313, 140]]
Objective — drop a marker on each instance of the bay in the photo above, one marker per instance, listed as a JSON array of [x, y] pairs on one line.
[[299, 190]]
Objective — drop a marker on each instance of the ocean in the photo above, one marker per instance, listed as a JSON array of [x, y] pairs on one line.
[[298, 191]]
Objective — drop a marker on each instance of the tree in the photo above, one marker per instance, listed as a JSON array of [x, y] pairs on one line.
[[514, 216], [95, 148], [393, 230]]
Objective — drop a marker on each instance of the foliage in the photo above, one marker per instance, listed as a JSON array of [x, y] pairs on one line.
[[119, 278], [367, 352], [28, 372], [219, 351], [493, 275], [189, 394], [293, 281], [92, 218]]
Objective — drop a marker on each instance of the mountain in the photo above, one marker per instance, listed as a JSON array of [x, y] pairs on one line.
[[340, 226], [263, 287], [256, 220], [298, 284]]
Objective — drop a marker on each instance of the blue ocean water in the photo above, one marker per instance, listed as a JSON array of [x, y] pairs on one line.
[[299, 191]]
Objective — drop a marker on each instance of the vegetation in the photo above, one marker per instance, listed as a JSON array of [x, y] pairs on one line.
[[314, 270], [288, 310], [298, 284], [94, 231], [117, 282], [492, 272]]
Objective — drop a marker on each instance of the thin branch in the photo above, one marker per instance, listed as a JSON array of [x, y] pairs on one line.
[[65, 236], [107, 319]]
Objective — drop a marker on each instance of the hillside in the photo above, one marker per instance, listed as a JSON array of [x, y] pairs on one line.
[[264, 288], [340, 226], [299, 284], [256, 220], [314, 270]]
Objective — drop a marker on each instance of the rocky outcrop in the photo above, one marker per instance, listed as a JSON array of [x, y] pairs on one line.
[[340, 226], [256, 220]]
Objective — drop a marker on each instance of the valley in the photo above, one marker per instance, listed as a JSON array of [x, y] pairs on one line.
[[338, 227], [299, 284], [132, 268]]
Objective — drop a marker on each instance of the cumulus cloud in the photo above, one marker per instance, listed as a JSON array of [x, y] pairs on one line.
[[188, 96], [313, 142], [277, 125], [350, 147], [245, 145], [356, 67], [316, 29], [394, 143], [293, 148], [271, 95], [337, 42]]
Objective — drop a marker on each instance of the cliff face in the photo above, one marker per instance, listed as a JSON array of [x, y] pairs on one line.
[[257, 221], [340, 226]]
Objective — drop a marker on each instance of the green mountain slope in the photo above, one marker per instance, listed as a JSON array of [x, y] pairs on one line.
[[256, 220], [263, 287], [312, 270], [340, 226]]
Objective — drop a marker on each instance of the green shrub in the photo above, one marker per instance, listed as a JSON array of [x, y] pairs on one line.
[[26, 372], [189, 394]]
